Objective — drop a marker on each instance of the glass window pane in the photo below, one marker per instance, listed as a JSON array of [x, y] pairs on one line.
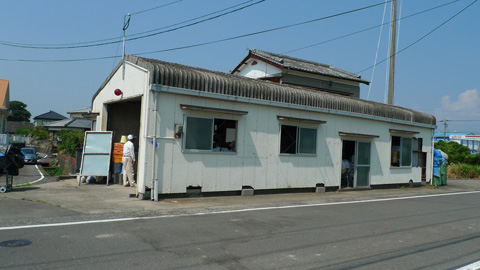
[[198, 133], [224, 136], [395, 158], [362, 176], [288, 139], [363, 153], [406, 151], [308, 138]]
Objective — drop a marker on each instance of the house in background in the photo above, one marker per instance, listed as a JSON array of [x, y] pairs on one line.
[[82, 124], [48, 117], [77, 121], [4, 104], [79, 113], [217, 132], [284, 69]]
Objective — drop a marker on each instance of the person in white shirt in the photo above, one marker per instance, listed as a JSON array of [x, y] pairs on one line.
[[128, 161], [345, 165]]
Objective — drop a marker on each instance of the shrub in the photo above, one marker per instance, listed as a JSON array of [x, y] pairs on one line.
[[465, 171], [71, 140], [40, 133]]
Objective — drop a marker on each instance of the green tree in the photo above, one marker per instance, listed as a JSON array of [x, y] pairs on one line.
[[456, 152], [40, 133], [18, 112], [71, 140]]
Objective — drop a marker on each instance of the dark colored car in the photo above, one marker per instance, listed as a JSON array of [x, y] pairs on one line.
[[30, 155]]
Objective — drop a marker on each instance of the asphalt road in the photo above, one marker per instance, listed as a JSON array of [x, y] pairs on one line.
[[31, 174], [423, 232]]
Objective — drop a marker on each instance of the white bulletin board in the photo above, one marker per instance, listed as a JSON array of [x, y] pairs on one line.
[[97, 149]]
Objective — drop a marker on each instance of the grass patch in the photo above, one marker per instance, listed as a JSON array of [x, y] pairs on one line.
[[23, 185], [54, 171], [463, 171]]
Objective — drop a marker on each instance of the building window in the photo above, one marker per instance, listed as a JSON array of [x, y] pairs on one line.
[[298, 140], [210, 134], [401, 152]]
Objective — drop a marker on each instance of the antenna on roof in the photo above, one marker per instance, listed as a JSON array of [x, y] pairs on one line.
[[126, 24]]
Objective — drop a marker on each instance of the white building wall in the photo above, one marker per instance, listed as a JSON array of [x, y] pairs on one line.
[[260, 70], [134, 85], [257, 162]]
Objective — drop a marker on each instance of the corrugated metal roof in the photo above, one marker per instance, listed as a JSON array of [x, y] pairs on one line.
[[176, 75], [288, 62]]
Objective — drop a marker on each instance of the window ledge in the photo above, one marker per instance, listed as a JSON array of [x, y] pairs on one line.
[[298, 155], [209, 152]]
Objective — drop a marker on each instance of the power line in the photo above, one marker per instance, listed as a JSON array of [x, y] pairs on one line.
[[106, 42], [150, 9], [263, 31], [421, 38], [136, 34], [369, 28], [209, 42]]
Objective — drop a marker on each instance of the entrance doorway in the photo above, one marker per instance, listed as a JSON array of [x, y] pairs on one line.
[[124, 119], [355, 164]]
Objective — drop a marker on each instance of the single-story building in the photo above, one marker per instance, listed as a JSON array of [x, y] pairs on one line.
[[216, 132]]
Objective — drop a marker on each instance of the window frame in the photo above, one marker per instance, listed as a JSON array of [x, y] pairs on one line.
[[298, 139], [212, 134], [402, 152]]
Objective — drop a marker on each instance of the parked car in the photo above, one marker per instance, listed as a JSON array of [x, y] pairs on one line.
[[30, 155]]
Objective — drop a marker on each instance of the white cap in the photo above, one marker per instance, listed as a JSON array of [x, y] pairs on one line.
[[131, 137]]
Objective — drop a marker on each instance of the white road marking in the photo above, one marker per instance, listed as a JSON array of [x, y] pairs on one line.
[[41, 175], [473, 266], [230, 211]]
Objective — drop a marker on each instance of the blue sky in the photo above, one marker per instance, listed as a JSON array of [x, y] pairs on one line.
[[436, 72]]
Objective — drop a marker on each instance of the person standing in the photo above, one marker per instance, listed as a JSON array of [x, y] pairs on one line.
[[128, 161]]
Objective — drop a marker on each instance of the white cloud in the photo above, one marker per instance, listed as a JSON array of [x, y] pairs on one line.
[[460, 112], [468, 101]]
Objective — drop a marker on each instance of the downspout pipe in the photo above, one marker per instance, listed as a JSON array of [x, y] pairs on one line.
[[154, 193]]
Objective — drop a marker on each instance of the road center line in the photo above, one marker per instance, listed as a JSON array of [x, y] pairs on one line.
[[231, 211]]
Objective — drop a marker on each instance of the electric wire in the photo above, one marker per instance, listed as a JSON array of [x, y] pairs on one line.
[[131, 38], [263, 31], [367, 29], [131, 35], [150, 9], [378, 48], [424, 36], [212, 42]]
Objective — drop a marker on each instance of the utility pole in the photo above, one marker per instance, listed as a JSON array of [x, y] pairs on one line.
[[126, 23], [391, 76], [444, 128]]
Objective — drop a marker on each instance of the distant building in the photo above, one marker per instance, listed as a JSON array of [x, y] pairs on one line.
[[48, 117], [79, 113], [469, 140], [82, 124], [285, 69], [4, 104]]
